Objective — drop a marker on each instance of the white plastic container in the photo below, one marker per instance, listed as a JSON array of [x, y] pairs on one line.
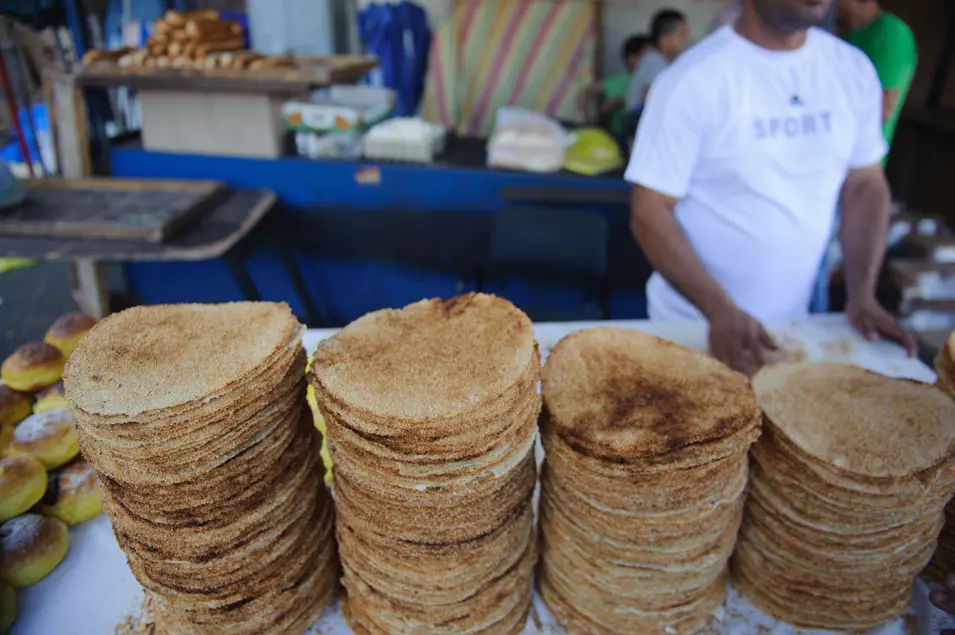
[[408, 139]]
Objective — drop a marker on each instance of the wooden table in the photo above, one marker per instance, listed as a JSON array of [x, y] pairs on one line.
[[211, 236]]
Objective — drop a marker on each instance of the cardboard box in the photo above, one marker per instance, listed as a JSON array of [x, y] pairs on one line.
[[339, 109], [332, 123], [230, 124]]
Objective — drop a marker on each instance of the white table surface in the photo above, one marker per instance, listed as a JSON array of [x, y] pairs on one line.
[[93, 589]]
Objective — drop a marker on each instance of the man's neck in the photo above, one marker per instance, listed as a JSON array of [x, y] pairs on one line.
[[871, 15], [752, 27]]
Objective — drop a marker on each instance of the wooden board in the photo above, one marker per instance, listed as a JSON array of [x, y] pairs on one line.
[[212, 235], [66, 108], [311, 73], [126, 209]]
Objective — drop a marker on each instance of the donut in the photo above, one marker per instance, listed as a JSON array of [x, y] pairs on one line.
[[22, 484], [8, 608], [33, 366], [72, 494], [68, 330], [32, 546], [49, 437], [14, 406], [51, 398]]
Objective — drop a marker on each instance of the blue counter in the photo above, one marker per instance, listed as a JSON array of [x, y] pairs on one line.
[[361, 236]]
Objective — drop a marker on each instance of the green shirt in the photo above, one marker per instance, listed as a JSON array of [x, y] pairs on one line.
[[890, 44], [615, 87]]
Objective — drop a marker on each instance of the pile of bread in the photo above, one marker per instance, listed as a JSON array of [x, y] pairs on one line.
[[194, 417], [942, 565], [431, 413], [642, 488], [194, 39], [846, 494], [828, 481], [44, 486]]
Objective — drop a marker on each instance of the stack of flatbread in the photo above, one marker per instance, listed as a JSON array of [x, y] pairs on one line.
[[943, 562], [847, 490], [642, 488], [431, 414], [945, 366], [194, 418]]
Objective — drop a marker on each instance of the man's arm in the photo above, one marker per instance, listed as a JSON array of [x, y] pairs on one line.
[[661, 238], [735, 337], [610, 105], [890, 99], [866, 207], [666, 150]]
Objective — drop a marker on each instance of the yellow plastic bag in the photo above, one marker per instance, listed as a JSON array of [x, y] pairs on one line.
[[320, 424], [593, 152]]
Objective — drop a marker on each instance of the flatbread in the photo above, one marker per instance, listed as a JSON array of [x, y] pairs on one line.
[[150, 358], [462, 353], [625, 395], [858, 421]]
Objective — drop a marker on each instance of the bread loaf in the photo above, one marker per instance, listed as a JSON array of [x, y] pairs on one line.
[[179, 19]]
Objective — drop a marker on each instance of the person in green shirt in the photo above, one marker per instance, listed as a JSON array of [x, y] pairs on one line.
[[890, 44], [612, 90]]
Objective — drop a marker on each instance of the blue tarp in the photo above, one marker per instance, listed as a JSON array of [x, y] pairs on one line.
[[11, 152], [398, 34]]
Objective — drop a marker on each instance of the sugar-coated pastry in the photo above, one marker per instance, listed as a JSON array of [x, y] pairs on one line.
[[68, 330], [32, 546], [22, 484], [51, 398], [33, 366], [49, 437], [8, 608], [72, 493], [14, 406], [319, 421]]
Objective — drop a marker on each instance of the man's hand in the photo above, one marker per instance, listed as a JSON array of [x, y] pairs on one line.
[[874, 322], [865, 219], [610, 105], [738, 339], [945, 599]]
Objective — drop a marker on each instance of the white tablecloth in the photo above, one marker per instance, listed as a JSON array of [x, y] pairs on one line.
[[93, 589]]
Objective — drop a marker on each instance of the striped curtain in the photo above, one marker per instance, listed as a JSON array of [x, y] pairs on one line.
[[536, 54]]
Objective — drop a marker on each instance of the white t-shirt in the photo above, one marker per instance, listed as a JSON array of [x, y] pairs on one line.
[[756, 144]]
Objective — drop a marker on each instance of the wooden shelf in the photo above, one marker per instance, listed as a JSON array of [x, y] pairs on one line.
[[311, 73]]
